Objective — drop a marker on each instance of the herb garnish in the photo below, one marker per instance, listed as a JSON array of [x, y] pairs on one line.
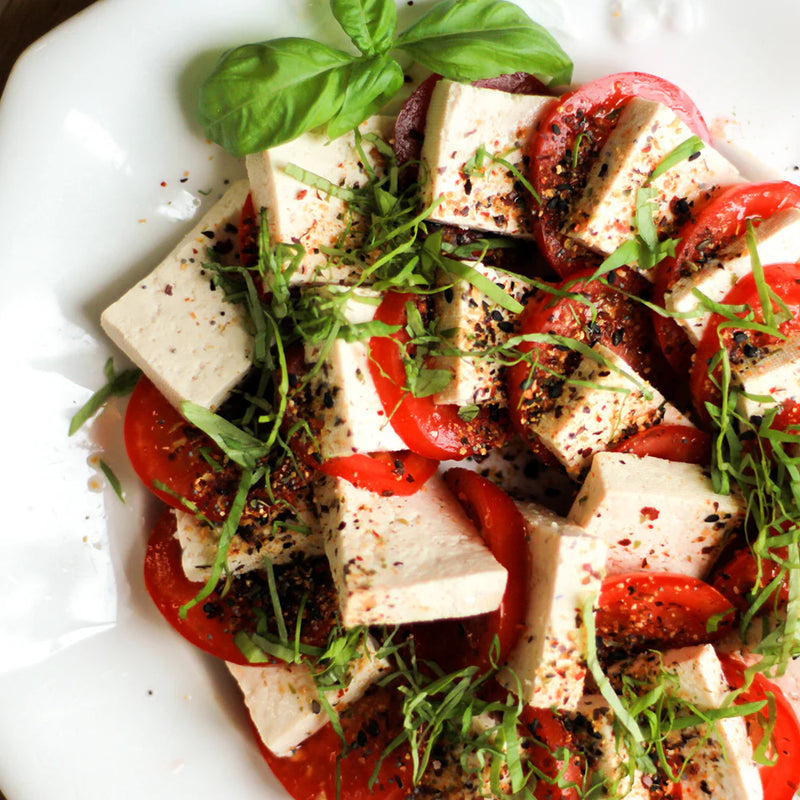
[[118, 384], [260, 95]]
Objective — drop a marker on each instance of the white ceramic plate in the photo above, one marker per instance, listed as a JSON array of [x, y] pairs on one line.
[[101, 169]]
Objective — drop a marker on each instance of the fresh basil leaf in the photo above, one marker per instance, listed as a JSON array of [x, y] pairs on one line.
[[113, 480], [430, 381], [645, 195], [371, 24], [470, 39], [117, 385], [685, 150], [260, 95], [373, 82], [240, 446]]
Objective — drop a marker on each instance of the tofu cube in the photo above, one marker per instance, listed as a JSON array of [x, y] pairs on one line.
[[607, 756], [721, 754], [247, 549], [655, 514], [777, 241], [405, 559], [461, 120], [299, 213], [770, 379], [176, 326], [601, 402], [283, 700], [646, 132], [477, 324], [548, 662], [342, 394]]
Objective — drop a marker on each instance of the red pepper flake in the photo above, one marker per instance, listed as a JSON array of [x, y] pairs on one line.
[[163, 183], [648, 512]]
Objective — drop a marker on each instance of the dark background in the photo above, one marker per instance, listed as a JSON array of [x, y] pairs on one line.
[[24, 21]]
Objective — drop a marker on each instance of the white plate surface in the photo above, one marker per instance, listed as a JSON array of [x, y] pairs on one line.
[[98, 698]]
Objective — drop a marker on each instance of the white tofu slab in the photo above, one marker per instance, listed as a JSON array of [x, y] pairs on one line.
[[405, 559], [722, 763], [177, 328], [461, 119], [644, 135], [600, 404], [655, 514], [769, 379], [343, 395], [548, 662], [479, 324], [279, 544], [298, 213], [777, 241], [607, 756], [284, 703]]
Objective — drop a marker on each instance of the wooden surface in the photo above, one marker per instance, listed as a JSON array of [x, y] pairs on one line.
[[23, 22]]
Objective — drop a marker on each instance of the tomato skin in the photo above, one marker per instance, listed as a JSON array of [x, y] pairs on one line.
[[621, 325], [740, 575], [781, 780], [589, 109], [784, 280], [551, 734], [671, 442], [646, 609], [170, 589], [718, 223], [248, 233], [402, 473], [163, 447], [369, 725], [503, 529], [429, 429]]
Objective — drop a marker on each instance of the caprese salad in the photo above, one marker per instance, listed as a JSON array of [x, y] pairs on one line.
[[476, 426]]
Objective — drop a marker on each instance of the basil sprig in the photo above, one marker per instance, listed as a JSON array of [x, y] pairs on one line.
[[260, 95]]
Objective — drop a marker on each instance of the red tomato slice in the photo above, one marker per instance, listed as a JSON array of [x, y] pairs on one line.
[[248, 234], [428, 429], [369, 726], [737, 578], [170, 589], [621, 325], [402, 473], [641, 610], [550, 735], [781, 780], [503, 529], [584, 118], [163, 447], [717, 224], [784, 280], [671, 442]]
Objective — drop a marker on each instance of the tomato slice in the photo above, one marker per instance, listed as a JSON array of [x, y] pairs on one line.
[[369, 726], [503, 529], [781, 780], [641, 610], [740, 575], [583, 119], [248, 234], [163, 446], [716, 225], [170, 589], [671, 442], [550, 735], [784, 280], [431, 430], [402, 473], [620, 324]]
